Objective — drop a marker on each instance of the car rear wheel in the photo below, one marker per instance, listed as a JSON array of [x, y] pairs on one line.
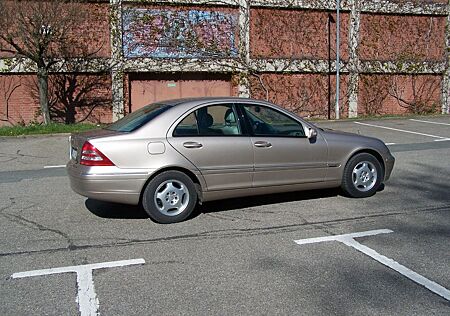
[[362, 176], [170, 197]]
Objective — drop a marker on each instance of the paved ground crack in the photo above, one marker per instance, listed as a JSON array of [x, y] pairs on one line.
[[18, 219], [11, 203], [215, 234], [30, 156], [231, 217]]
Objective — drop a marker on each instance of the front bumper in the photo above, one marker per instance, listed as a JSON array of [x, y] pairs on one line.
[[110, 184], [389, 165]]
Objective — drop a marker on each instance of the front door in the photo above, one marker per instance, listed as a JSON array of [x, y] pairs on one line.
[[283, 154]]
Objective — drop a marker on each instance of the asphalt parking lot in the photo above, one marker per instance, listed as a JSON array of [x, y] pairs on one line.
[[235, 257]]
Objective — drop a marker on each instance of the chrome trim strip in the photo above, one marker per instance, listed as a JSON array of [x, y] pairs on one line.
[[291, 167], [113, 174]]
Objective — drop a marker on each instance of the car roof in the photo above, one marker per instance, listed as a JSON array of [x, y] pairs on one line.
[[188, 103], [180, 106], [199, 100]]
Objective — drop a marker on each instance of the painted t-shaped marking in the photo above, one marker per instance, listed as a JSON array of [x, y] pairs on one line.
[[348, 239], [86, 298]]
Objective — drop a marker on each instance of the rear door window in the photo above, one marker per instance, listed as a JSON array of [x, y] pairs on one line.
[[213, 120]]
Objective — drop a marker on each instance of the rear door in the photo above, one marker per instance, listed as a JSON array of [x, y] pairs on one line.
[[283, 154], [212, 138]]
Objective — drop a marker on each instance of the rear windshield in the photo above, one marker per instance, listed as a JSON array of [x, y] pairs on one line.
[[139, 118]]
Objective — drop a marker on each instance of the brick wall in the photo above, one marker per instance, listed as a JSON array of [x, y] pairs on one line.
[[19, 99], [89, 36], [390, 37], [88, 94], [303, 94], [276, 33], [399, 94], [288, 54], [17, 105], [94, 32]]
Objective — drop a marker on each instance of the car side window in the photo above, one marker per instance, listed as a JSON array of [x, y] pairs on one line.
[[187, 127], [265, 121], [213, 120]]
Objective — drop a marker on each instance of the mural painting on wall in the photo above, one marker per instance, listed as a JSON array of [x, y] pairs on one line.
[[179, 34]]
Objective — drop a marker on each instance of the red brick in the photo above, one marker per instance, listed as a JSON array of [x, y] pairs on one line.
[[276, 33], [304, 94], [381, 94], [391, 37]]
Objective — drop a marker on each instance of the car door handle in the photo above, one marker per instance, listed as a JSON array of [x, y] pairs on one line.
[[192, 145], [263, 144]]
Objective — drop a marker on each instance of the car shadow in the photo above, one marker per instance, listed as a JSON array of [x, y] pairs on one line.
[[115, 210], [268, 199], [122, 211]]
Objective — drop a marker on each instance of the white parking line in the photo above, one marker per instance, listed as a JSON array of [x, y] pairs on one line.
[[58, 166], [430, 122], [348, 239], [404, 131], [87, 300], [388, 144]]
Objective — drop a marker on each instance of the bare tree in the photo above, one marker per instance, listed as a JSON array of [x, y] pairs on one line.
[[8, 85], [41, 31]]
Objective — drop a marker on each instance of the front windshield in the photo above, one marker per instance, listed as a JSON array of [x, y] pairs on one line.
[[139, 118]]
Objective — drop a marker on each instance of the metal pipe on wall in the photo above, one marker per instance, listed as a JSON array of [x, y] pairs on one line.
[[330, 20]]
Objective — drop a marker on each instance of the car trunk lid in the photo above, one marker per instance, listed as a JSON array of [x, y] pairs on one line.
[[77, 140]]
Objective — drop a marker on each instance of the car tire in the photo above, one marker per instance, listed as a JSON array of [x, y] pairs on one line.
[[170, 197], [362, 176]]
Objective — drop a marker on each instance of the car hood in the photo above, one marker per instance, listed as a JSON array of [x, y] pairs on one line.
[[335, 133], [346, 137]]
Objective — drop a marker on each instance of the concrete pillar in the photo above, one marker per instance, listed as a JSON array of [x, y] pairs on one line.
[[116, 59], [244, 47], [353, 62], [446, 78]]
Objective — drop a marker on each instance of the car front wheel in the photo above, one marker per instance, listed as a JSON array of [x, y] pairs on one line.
[[170, 197], [362, 176]]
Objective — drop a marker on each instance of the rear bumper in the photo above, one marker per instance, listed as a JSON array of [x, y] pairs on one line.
[[110, 184]]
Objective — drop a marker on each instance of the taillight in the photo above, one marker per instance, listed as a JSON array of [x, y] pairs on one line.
[[91, 156]]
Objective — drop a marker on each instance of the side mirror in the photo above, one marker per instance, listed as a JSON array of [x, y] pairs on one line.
[[311, 133]]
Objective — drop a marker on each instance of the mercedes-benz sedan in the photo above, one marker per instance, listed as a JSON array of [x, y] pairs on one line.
[[171, 155]]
